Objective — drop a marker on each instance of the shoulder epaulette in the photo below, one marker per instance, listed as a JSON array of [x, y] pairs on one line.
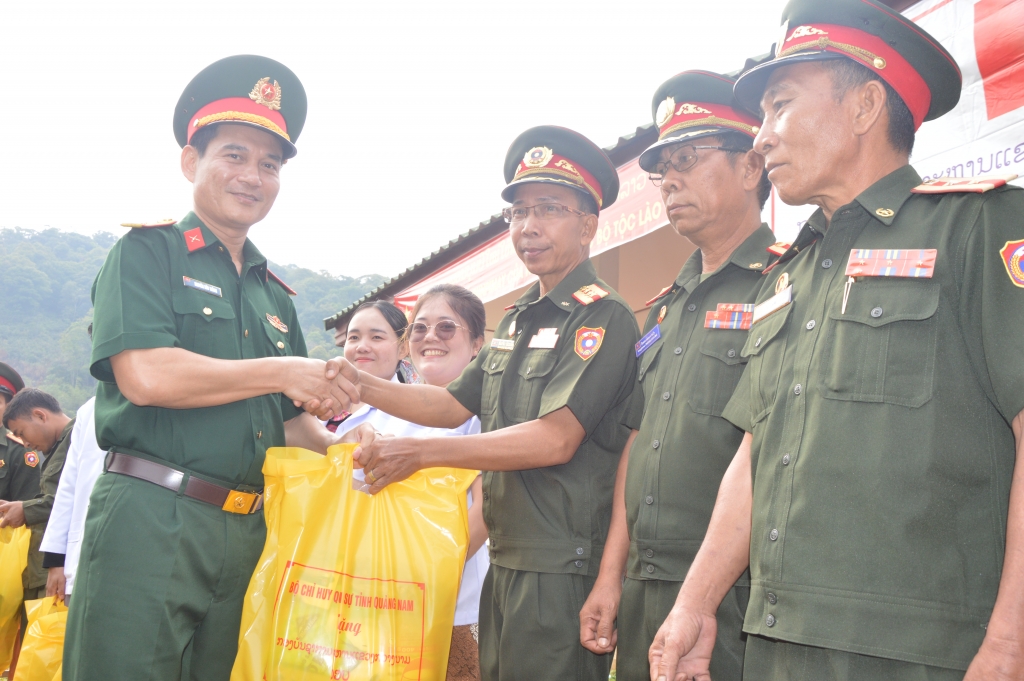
[[662, 292], [778, 248], [589, 293], [509, 307], [288, 289], [976, 185], [12, 436], [146, 225]]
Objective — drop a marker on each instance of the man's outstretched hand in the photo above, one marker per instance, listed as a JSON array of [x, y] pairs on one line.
[[340, 390], [682, 647]]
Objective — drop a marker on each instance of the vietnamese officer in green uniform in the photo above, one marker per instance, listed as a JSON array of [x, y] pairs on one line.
[[35, 418], [878, 495], [201, 363], [555, 395], [714, 187], [19, 466]]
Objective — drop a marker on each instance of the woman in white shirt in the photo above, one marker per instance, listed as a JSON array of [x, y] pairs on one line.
[[446, 333]]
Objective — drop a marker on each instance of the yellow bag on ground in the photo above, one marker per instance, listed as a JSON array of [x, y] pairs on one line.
[[13, 557], [351, 586], [43, 648]]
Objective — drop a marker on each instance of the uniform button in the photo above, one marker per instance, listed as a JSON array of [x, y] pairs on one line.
[[579, 563], [220, 248], [207, 310], [810, 325], [773, 535], [797, 389], [655, 444], [280, 345], [691, 307], [666, 396], [247, 333], [876, 312], [579, 551], [486, 496], [731, 353], [678, 351], [649, 553], [650, 569], [772, 598], [649, 500], [259, 434], [757, 343], [826, 263], [785, 459], [770, 620]]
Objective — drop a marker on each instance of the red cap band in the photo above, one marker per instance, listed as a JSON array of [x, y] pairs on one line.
[[239, 110], [867, 50], [4, 383], [674, 117], [542, 162]]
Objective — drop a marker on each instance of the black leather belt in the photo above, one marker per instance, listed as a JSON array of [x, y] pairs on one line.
[[231, 500]]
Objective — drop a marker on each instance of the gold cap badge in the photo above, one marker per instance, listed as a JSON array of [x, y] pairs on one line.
[[266, 94], [665, 110]]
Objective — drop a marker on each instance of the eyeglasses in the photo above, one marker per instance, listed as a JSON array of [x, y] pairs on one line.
[[681, 160], [444, 330], [543, 211]]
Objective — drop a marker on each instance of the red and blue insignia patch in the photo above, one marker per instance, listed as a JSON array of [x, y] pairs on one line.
[[194, 239], [588, 341], [31, 459], [1012, 254], [277, 323]]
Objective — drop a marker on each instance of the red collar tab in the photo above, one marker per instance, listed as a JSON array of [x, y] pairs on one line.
[[672, 117], [542, 162], [778, 248], [4, 383], [867, 50], [509, 307], [288, 289], [194, 239], [253, 110], [667, 289]]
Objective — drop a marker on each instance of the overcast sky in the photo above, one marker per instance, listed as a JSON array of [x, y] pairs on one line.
[[412, 105]]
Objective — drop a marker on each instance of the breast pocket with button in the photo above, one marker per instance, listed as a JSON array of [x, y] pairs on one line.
[[494, 369], [278, 343], [534, 374], [718, 370], [206, 324], [882, 349], [764, 351]]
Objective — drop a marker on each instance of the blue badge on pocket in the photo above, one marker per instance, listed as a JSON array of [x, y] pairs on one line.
[[649, 339], [203, 286]]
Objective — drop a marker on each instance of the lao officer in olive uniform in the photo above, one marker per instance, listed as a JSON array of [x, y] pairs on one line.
[[884, 393], [19, 465], [714, 187], [201, 363], [555, 395]]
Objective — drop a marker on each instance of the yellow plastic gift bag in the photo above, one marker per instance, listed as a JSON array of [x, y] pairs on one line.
[[352, 586], [13, 557], [42, 651]]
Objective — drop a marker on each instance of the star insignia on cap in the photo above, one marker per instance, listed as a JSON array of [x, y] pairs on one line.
[[266, 94]]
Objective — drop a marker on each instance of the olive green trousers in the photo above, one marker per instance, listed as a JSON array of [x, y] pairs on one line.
[[772, 660], [160, 586], [644, 606], [530, 628]]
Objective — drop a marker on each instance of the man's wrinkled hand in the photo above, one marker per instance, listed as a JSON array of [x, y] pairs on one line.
[[12, 514], [324, 389], [682, 647], [597, 617], [364, 436], [389, 459]]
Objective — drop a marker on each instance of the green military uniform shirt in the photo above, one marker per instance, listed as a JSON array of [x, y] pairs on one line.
[[882, 451], [556, 519], [18, 480], [177, 287], [684, 445], [37, 510]]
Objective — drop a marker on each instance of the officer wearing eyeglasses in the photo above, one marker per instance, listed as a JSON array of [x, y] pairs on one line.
[[555, 393], [689, 363]]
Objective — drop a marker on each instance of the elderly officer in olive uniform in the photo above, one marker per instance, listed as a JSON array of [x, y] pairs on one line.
[[555, 396], [714, 187], [19, 465], [201, 362], [884, 395]]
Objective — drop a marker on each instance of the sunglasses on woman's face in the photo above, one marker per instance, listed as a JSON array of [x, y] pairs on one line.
[[444, 330]]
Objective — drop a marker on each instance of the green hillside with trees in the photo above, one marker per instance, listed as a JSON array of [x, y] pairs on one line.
[[45, 307]]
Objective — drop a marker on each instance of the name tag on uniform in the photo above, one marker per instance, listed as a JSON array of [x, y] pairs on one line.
[[649, 339], [545, 338], [203, 286], [773, 304], [503, 344]]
